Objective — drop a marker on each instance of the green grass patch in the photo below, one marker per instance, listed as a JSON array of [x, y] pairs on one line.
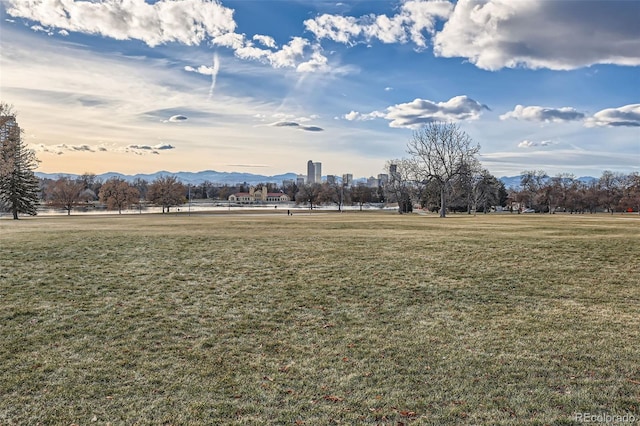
[[354, 318]]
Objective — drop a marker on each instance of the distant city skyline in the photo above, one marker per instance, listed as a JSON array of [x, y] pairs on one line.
[[263, 86]]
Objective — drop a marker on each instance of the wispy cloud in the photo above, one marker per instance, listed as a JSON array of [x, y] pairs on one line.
[[214, 74], [530, 144], [295, 125], [205, 70], [559, 161], [543, 114], [60, 149]]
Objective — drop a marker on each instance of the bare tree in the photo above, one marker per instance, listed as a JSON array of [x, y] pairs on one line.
[[65, 193], [439, 152], [631, 192], [166, 191], [309, 193], [362, 194], [487, 191], [532, 183], [398, 188], [118, 194], [610, 188], [333, 193]]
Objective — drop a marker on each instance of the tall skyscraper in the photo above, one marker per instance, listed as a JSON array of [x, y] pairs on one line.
[[9, 128], [347, 179], [317, 168], [311, 174]]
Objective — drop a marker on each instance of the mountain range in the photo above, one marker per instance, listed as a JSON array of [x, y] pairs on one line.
[[514, 181], [233, 178], [193, 178]]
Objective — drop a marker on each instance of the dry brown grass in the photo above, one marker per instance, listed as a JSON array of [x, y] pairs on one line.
[[316, 319]]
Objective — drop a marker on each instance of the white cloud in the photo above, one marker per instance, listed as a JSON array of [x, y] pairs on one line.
[[413, 19], [527, 144], [176, 119], [286, 57], [317, 63], [422, 15], [183, 21], [294, 54], [357, 116], [420, 111], [41, 29], [188, 22], [543, 114], [559, 35], [230, 40], [202, 69], [265, 40], [624, 116], [334, 27]]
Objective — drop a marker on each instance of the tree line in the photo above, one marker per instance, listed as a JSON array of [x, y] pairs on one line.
[[611, 192], [114, 193], [117, 194], [441, 174]]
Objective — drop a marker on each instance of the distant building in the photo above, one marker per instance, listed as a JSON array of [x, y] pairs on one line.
[[347, 179], [9, 128], [288, 182], [331, 179], [393, 173], [383, 178], [373, 182], [311, 174], [258, 196], [314, 172], [300, 179], [317, 169]]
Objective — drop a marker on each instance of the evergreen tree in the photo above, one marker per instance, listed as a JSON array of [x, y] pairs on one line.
[[19, 187]]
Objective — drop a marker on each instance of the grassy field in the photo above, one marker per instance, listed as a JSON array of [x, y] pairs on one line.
[[355, 318]]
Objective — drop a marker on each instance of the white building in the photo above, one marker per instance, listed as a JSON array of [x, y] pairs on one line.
[[258, 196]]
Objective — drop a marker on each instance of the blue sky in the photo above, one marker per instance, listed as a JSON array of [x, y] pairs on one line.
[[263, 86]]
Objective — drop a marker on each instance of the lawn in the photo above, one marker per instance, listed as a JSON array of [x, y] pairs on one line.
[[353, 318]]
